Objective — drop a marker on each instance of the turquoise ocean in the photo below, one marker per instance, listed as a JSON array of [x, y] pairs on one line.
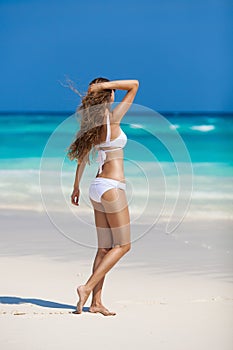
[[168, 156]]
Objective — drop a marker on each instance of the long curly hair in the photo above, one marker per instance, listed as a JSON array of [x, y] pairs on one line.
[[92, 111]]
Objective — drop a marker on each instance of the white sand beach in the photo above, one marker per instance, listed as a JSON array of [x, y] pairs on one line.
[[171, 291]]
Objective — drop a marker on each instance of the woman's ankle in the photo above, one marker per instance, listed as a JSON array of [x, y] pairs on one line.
[[96, 303]]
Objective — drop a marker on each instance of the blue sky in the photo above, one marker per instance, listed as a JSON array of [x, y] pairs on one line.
[[181, 51]]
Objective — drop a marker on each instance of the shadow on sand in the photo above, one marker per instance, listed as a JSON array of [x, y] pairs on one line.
[[38, 302]]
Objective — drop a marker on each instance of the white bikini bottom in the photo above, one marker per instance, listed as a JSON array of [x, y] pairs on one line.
[[102, 184]]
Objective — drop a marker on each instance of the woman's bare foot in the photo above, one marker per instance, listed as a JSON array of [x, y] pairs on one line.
[[83, 294], [102, 309]]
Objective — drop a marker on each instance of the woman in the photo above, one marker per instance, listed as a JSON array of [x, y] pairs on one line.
[[100, 130]]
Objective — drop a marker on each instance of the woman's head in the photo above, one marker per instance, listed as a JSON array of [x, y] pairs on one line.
[[107, 94], [92, 111]]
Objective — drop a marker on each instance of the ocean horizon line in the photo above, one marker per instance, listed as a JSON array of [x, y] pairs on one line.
[[170, 113]]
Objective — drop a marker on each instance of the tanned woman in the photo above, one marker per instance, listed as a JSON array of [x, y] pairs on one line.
[[100, 132]]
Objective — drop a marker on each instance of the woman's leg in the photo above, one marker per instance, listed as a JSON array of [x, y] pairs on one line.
[[97, 290], [116, 209], [96, 304], [103, 232]]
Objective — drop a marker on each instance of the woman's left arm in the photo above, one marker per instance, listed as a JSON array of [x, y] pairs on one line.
[[76, 188]]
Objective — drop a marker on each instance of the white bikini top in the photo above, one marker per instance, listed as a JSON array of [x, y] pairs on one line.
[[116, 144]]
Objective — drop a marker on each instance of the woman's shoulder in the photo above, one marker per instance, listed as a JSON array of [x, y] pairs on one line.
[[112, 121], [114, 124]]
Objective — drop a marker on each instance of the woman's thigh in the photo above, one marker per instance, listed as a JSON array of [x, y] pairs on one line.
[[116, 209], [104, 234]]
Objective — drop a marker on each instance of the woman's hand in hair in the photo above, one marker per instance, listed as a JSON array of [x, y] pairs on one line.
[[95, 87], [75, 196]]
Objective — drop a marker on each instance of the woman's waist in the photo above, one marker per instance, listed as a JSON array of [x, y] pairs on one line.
[[112, 171], [119, 177], [100, 178], [113, 168], [107, 155]]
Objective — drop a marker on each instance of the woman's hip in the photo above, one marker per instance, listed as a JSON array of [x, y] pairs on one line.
[[99, 185]]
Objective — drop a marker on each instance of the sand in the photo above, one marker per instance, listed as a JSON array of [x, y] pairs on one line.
[[170, 291]]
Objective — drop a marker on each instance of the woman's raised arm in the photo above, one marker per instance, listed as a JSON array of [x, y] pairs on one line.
[[114, 84]]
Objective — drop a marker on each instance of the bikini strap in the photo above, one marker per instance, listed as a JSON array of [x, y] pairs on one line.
[[108, 129]]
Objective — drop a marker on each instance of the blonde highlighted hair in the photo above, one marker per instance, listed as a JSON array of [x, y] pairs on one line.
[[92, 111]]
